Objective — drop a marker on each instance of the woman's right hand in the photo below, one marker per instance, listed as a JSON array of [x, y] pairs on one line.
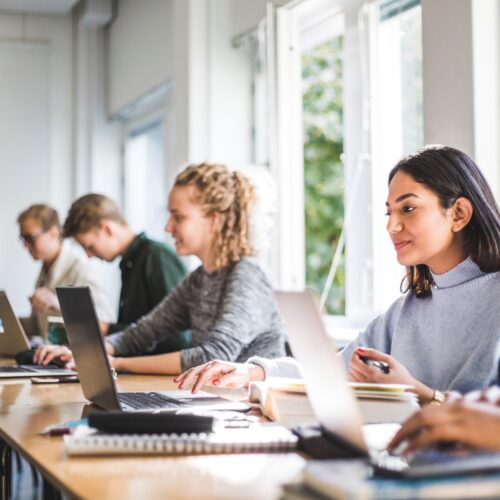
[[220, 374], [475, 424], [47, 353]]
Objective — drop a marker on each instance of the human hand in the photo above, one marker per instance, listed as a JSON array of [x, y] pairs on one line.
[[47, 353], [475, 424], [43, 300], [359, 371], [220, 374]]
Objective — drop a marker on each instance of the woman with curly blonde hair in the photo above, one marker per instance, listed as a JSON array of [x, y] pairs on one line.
[[227, 302]]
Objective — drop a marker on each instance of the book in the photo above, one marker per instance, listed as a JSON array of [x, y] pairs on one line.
[[352, 479], [284, 400], [258, 438]]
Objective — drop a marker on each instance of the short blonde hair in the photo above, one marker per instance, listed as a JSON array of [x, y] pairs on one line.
[[87, 213], [230, 195], [45, 216]]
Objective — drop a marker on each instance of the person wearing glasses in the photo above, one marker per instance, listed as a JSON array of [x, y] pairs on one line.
[[40, 232]]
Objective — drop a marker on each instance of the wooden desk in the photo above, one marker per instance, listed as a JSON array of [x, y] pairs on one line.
[[26, 409]]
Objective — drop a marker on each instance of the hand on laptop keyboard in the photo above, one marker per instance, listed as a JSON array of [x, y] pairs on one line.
[[26, 358], [474, 424], [54, 354]]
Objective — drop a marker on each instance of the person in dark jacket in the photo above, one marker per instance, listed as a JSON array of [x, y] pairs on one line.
[[150, 270]]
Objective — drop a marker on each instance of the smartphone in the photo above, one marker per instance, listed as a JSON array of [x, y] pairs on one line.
[[383, 367]]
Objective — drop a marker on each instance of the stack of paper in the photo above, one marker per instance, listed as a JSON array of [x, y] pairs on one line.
[[285, 401], [282, 400], [382, 403]]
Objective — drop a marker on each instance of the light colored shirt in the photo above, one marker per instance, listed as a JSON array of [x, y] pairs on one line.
[[72, 268], [448, 341]]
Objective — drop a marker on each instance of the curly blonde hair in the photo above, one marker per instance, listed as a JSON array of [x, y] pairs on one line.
[[229, 194]]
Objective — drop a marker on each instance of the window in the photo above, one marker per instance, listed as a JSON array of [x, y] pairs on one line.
[[306, 143], [345, 86], [396, 121], [322, 117], [144, 179]]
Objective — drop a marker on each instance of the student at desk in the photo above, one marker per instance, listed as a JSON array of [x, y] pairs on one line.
[[227, 302], [444, 333], [40, 233], [149, 269]]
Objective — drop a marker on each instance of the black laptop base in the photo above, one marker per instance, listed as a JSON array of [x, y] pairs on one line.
[[321, 444]]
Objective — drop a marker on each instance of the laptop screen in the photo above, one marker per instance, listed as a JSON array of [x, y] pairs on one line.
[[12, 337], [87, 345], [330, 396]]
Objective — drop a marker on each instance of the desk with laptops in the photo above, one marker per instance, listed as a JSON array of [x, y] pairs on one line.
[[27, 409]]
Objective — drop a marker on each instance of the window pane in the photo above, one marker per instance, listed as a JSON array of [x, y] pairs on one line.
[[145, 193], [323, 170], [397, 122]]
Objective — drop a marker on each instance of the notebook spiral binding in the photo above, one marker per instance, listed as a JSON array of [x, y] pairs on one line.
[[260, 440]]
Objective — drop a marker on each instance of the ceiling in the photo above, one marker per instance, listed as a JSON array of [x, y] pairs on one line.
[[39, 6]]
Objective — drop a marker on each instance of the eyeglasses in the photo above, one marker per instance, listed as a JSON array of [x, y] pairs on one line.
[[30, 239]]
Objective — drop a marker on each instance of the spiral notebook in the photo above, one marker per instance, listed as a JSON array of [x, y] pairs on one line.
[[255, 439]]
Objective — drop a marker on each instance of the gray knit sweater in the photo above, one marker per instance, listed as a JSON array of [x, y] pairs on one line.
[[231, 313], [449, 341]]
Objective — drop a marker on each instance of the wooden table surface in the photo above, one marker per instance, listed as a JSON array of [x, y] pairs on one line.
[[26, 409]]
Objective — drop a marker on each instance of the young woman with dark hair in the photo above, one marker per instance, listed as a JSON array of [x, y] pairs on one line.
[[444, 333]]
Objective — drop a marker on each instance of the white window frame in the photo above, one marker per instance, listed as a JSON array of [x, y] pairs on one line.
[[286, 153]]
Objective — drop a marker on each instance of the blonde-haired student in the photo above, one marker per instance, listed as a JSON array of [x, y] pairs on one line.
[[444, 333], [227, 302]]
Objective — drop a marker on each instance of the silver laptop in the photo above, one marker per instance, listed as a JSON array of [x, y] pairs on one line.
[[13, 340], [94, 370], [335, 405]]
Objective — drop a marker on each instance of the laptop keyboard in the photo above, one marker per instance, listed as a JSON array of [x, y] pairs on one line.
[[147, 400], [391, 464]]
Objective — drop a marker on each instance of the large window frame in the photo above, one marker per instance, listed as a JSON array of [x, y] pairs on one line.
[[287, 160], [362, 255]]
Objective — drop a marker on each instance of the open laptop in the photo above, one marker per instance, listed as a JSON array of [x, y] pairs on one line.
[[13, 340], [94, 370], [336, 408]]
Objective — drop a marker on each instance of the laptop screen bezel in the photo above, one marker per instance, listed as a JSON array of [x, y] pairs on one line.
[[87, 345]]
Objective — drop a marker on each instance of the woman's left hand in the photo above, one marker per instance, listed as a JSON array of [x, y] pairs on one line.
[[359, 371]]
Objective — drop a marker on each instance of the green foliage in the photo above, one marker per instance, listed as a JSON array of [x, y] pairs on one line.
[[323, 169]]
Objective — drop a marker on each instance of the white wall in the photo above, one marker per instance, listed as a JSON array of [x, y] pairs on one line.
[[230, 78], [208, 113], [461, 68], [140, 50], [57, 142], [486, 58], [36, 133]]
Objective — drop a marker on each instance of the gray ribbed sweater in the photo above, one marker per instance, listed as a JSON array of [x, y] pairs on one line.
[[231, 313], [449, 341]]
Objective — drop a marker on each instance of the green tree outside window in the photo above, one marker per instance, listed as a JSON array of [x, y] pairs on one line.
[[323, 170]]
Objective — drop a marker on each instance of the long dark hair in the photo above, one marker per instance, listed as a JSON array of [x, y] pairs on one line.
[[451, 174]]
